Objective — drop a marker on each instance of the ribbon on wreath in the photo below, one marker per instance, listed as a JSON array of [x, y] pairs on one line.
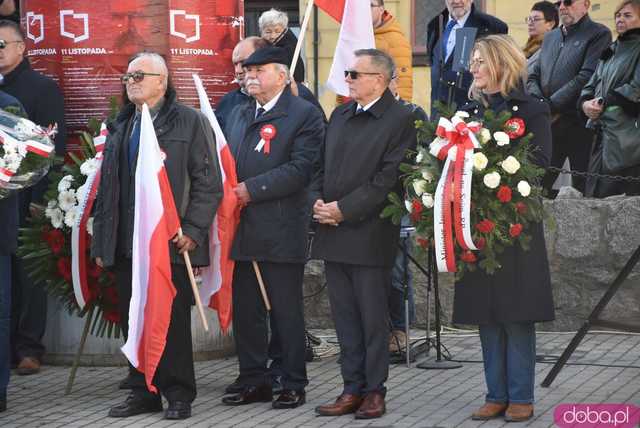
[[454, 143], [79, 230], [35, 147]]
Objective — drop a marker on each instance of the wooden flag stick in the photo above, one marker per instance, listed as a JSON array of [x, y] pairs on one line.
[[303, 32], [194, 287], [263, 290]]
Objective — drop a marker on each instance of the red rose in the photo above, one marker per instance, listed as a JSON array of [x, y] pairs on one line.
[[416, 210], [468, 257], [515, 230], [514, 127], [504, 194], [485, 226], [481, 243], [113, 316], [64, 268], [521, 208], [423, 243], [94, 270], [55, 239]]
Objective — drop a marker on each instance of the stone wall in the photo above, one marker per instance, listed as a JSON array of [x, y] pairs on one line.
[[588, 242]]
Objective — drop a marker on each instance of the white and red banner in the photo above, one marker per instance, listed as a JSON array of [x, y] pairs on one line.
[[455, 142], [155, 223], [356, 32], [215, 290]]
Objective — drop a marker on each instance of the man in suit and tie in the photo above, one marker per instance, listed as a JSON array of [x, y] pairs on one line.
[[449, 86], [365, 143]]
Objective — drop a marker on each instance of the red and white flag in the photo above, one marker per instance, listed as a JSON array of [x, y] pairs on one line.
[[356, 32], [155, 222], [217, 277]]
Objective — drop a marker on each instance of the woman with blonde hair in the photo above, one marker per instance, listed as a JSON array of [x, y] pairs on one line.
[[507, 304]]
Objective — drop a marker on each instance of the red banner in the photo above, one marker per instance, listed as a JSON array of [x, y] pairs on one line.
[[85, 46]]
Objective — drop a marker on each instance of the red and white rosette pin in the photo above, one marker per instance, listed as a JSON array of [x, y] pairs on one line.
[[267, 133]]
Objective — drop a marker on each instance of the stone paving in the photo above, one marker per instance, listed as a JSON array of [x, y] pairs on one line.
[[416, 398]]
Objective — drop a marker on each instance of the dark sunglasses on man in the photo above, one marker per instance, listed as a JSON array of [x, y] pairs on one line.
[[355, 74], [137, 76], [4, 43], [566, 3]]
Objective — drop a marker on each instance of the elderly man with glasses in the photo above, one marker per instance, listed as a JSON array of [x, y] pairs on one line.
[[187, 141], [568, 57]]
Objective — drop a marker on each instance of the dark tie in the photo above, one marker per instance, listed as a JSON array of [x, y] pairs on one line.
[[359, 110], [260, 112], [134, 142], [445, 37]]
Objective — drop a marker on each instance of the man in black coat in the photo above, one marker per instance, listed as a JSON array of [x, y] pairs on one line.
[[44, 105], [448, 86], [187, 140], [366, 141], [568, 58], [274, 141]]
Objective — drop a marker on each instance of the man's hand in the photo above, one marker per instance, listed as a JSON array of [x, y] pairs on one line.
[[184, 243], [327, 213], [592, 109], [99, 262], [242, 193]]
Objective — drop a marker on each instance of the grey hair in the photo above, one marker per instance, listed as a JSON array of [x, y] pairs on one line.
[[158, 60], [273, 17], [381, 61], [284, 69]]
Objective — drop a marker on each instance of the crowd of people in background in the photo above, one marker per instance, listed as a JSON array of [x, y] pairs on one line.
[[578, 92]]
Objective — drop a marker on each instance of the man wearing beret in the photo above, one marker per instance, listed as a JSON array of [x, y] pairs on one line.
[[274, 140]]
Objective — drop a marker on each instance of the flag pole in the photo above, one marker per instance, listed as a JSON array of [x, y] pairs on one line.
[[263, 289], [303, 32], [194, 287]]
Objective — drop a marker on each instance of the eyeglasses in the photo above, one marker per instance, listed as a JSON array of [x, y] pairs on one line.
[[137, 76], [355, 74], [530, 20], [566, 3], [4, 43], [476, 63], [272, 32]]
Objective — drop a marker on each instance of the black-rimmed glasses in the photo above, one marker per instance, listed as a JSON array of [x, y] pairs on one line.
[[4, 43], [355, 74], [137, 76]]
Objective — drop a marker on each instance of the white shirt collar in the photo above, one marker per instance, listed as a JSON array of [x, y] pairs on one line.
[[368, 106], [461, 21], [268, 106]]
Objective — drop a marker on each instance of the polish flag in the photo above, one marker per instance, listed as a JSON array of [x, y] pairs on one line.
[[217, 277], [155, 223], [356, 32]]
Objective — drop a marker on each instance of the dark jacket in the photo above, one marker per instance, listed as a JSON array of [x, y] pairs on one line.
[[566, 63], [273, 226], [8, 204], [288, 42], [44, 104], [521, 290], [442, 76], [617, 81], [192, 166], [359, 168]]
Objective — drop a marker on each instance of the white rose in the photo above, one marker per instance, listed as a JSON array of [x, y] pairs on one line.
[[462, 114], [52, 204], [511, 165], [420, 186], [408, 205], [82, 191], [70, 217], [480, 161], [492, 180], [22, 150], [89, 167], [427, 200], [420, 156], [502, 139], [90, 226], [56, 218], [65, 183], [14, 165], [524, 188], [67, 200], [10, 145], [427, 176], [484, 136]]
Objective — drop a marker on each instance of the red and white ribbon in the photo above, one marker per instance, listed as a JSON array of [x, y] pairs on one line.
[[41, 149], [454, 144], [5, 174], [267, 133]]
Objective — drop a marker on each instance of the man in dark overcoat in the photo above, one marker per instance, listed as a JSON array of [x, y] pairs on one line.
[[366, 141], [274, 140], [187, 140]]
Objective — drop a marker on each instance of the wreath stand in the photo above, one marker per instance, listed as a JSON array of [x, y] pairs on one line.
[[79, 352]]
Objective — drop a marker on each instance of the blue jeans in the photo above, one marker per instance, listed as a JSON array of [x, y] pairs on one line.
[[509, 353], [5, 323], [396, 294]]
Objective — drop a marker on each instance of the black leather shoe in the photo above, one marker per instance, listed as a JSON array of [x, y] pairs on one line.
[[126, 383], [236, 387], [250, 394], [289, 399], [178, 410], [136, 405], [276, 385]]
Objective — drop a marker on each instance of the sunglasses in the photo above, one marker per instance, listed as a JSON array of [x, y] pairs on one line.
[[355, 74], [137, 76], [566, 3], [4, 43]]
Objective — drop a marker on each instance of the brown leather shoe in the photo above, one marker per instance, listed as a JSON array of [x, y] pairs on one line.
[[372, 407], [489, 411], [518, 412], [28, 366], [345, 404]]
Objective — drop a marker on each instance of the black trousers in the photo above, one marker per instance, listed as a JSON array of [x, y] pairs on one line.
[[283, 282], [570, 139], [175, 376], [359, 305]]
